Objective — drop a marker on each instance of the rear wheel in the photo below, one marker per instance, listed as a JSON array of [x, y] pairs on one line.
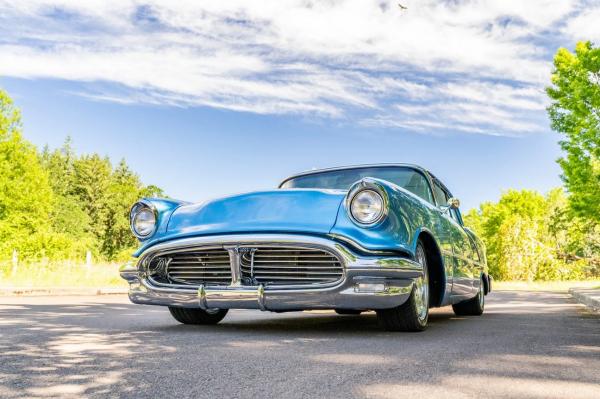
[[197, 316], [472, 307], [413, 314]]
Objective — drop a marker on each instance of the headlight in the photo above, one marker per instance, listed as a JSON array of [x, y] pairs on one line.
[[143, 220], [367, 207]]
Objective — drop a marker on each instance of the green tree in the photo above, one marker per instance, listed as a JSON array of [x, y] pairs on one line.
[[124, 189], [25, 193], [575, 113], [533, 237], [58, 205], [68, 214], [91, 181]]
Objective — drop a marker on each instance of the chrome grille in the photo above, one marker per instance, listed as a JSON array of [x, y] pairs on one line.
[[206, 266], [290, 266], [261, 264]]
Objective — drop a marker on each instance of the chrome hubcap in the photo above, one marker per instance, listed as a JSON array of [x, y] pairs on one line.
[[422, 287]]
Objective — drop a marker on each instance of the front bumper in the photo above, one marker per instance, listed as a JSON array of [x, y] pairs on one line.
[[369, 282]]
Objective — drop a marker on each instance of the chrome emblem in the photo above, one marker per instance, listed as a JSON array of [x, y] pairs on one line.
[[245, 250], [242, 265]]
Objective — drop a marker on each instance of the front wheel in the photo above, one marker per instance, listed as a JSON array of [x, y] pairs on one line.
[[472, 307], [197, 316], [413, 314]]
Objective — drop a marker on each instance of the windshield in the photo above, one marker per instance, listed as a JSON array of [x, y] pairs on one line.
[[407, 178]]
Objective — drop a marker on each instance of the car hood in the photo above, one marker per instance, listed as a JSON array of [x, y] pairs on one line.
[[291, 210]]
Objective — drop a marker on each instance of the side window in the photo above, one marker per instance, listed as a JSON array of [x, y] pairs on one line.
[[442, 198], [440, 195], [474, 250], [476, 255], [419, 186], [454, 215]]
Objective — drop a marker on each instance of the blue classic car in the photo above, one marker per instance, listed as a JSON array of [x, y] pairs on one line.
[[388, 238]]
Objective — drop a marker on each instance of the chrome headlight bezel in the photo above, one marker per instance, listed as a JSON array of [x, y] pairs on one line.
[[136, 210], [367, 185]]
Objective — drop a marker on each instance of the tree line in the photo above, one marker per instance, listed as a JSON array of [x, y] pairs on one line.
[[530, 236], [58, 205]]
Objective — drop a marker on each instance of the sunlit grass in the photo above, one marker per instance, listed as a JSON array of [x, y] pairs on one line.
[[61, 275], [544, 285], [69, 274]]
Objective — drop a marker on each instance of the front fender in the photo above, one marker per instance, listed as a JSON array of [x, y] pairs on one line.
[[407, 216], [164, 208]]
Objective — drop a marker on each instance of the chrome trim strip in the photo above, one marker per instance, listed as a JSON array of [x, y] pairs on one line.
[[362, 249], [460, 257]]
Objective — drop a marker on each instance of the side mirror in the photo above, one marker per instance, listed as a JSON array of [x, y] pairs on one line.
[[453, 203]]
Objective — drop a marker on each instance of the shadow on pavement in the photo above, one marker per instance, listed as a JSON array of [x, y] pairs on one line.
[[536, 345]]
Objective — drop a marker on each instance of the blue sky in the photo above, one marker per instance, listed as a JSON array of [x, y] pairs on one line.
[[211, 98]]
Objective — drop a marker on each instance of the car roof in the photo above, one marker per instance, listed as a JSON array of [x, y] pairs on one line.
[[426, 172]]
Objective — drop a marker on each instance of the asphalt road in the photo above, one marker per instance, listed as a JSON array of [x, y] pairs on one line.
[[527, 345]]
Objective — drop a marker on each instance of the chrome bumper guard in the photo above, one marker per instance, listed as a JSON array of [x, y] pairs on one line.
[[369, 282]]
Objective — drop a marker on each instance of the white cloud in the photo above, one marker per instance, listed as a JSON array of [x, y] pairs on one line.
[[585, 25], [468, 65]]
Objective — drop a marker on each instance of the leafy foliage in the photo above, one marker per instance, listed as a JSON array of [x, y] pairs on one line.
[[575, 113], [25, 196], [57, 205], [534, 237]]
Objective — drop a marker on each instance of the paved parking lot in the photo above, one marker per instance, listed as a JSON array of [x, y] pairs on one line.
[[527, 345]]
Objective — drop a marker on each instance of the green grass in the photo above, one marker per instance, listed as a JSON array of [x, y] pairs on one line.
[[543, 285], [61, 275]]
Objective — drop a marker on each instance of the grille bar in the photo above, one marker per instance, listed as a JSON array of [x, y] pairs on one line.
[[291, 266], [294, 261], [200, 267], [293, 273]]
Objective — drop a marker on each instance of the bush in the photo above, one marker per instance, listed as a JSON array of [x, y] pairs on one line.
[[534, 237]]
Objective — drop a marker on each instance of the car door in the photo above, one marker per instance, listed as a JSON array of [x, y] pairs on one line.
[[477, 260], [462, 284], [465, 266]]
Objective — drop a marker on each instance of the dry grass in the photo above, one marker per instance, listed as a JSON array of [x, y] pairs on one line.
[[69, 274], [543, 285], [61, 275]]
